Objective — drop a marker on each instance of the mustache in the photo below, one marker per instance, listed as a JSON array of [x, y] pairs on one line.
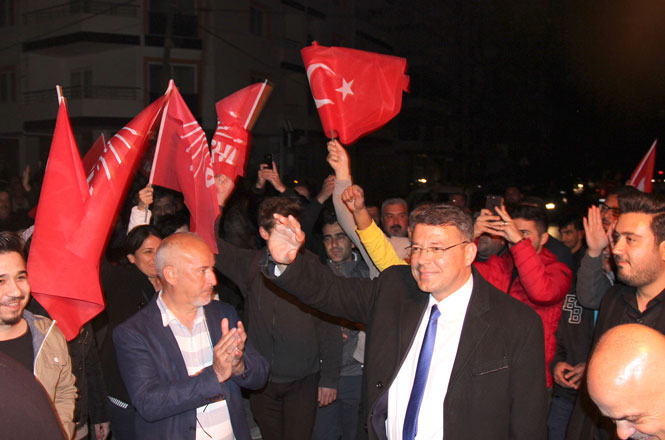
[[11, 300]]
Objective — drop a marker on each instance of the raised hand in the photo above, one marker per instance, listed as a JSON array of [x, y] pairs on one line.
[[501, 225], [272, 176], [145, 197], [597, 238], [485, 223], [354, 199], [223, 187], [338, 159], [285, 239], [326, 189]]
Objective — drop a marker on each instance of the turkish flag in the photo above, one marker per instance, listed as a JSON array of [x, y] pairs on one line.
[[355, 92], [66, 284], [236, 115], [641, 178], [182, 163]]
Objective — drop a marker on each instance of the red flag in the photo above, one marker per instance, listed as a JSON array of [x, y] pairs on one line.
[[182, 162], [236, 115], [109, 178], [74, 218], [63, 282], [93, 155], [641, 178], [355, 92]]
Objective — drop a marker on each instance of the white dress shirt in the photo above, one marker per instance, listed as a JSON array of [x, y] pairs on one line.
[[448, 332]]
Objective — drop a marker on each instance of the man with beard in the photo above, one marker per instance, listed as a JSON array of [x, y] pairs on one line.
[[639, 253], [626, 380], [395, 217], [184, 357], [32, 340]]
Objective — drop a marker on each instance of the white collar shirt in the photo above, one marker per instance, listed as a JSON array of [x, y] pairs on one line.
[[449, 329], [212, 420]]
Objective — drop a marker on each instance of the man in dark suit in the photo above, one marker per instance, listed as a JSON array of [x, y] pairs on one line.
[[447, 354], [183, 357]]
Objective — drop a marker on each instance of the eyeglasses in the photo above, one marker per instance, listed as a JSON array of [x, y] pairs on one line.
[[434, 250], [616, 212]]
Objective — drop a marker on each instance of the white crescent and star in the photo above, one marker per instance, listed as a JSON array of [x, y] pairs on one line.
[[344, 90]]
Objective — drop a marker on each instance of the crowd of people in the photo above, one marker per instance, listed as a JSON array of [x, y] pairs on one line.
[[326, 317]]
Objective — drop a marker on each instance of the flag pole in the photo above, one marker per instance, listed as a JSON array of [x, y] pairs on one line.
[[159, 138], [58, 90]]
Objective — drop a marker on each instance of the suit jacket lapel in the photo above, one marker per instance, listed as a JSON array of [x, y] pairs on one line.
[[165, 338], [474, 328], [412, 307]]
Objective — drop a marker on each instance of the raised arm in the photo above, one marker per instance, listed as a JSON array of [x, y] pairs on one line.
[[339, 161], [373, 239]]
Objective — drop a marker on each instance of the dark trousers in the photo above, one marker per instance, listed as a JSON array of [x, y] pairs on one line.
[[340, 418], [122, 422], [286, 411], [557, 421]]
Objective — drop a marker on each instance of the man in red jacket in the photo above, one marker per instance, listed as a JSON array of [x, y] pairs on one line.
[[528, 272]]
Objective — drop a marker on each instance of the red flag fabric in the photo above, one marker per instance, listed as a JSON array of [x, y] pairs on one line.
[[230, 143], [66, 284], [355, 92], [93, 155], [641, 178], [109, 178], [74, 217], [182, 163], [230, 147]]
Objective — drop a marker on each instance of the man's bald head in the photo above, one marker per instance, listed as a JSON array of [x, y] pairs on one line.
[[172, 248], [625, 379]]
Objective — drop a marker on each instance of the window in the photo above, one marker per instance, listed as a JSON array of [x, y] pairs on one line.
[[7, 86], [258, 20], [7, 13]]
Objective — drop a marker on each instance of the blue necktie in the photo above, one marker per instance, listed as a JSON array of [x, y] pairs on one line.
[[422, 370]]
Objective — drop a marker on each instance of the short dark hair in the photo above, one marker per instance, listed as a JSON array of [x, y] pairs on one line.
[[276, 205], [11, 242], [328, 217], [643, 203], [623, 191], [531, 213], [572, 219], [445, 214], [169, 223], [137, 236]]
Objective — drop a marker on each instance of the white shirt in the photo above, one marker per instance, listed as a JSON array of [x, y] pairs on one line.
[[448, 332], [212, 420]]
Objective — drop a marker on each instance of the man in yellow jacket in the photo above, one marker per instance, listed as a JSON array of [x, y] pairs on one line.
[[32, 340]]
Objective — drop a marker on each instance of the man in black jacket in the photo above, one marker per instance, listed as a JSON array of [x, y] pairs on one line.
[[639, 297], [303, 351], [485, 349]]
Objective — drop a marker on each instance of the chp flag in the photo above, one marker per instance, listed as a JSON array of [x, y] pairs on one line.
[[182, 163], [355, 92], [75, 214], [643, 174], [236, 116]]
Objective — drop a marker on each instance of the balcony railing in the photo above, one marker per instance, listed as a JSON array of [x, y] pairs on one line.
[[76, 7], [81, 92]]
